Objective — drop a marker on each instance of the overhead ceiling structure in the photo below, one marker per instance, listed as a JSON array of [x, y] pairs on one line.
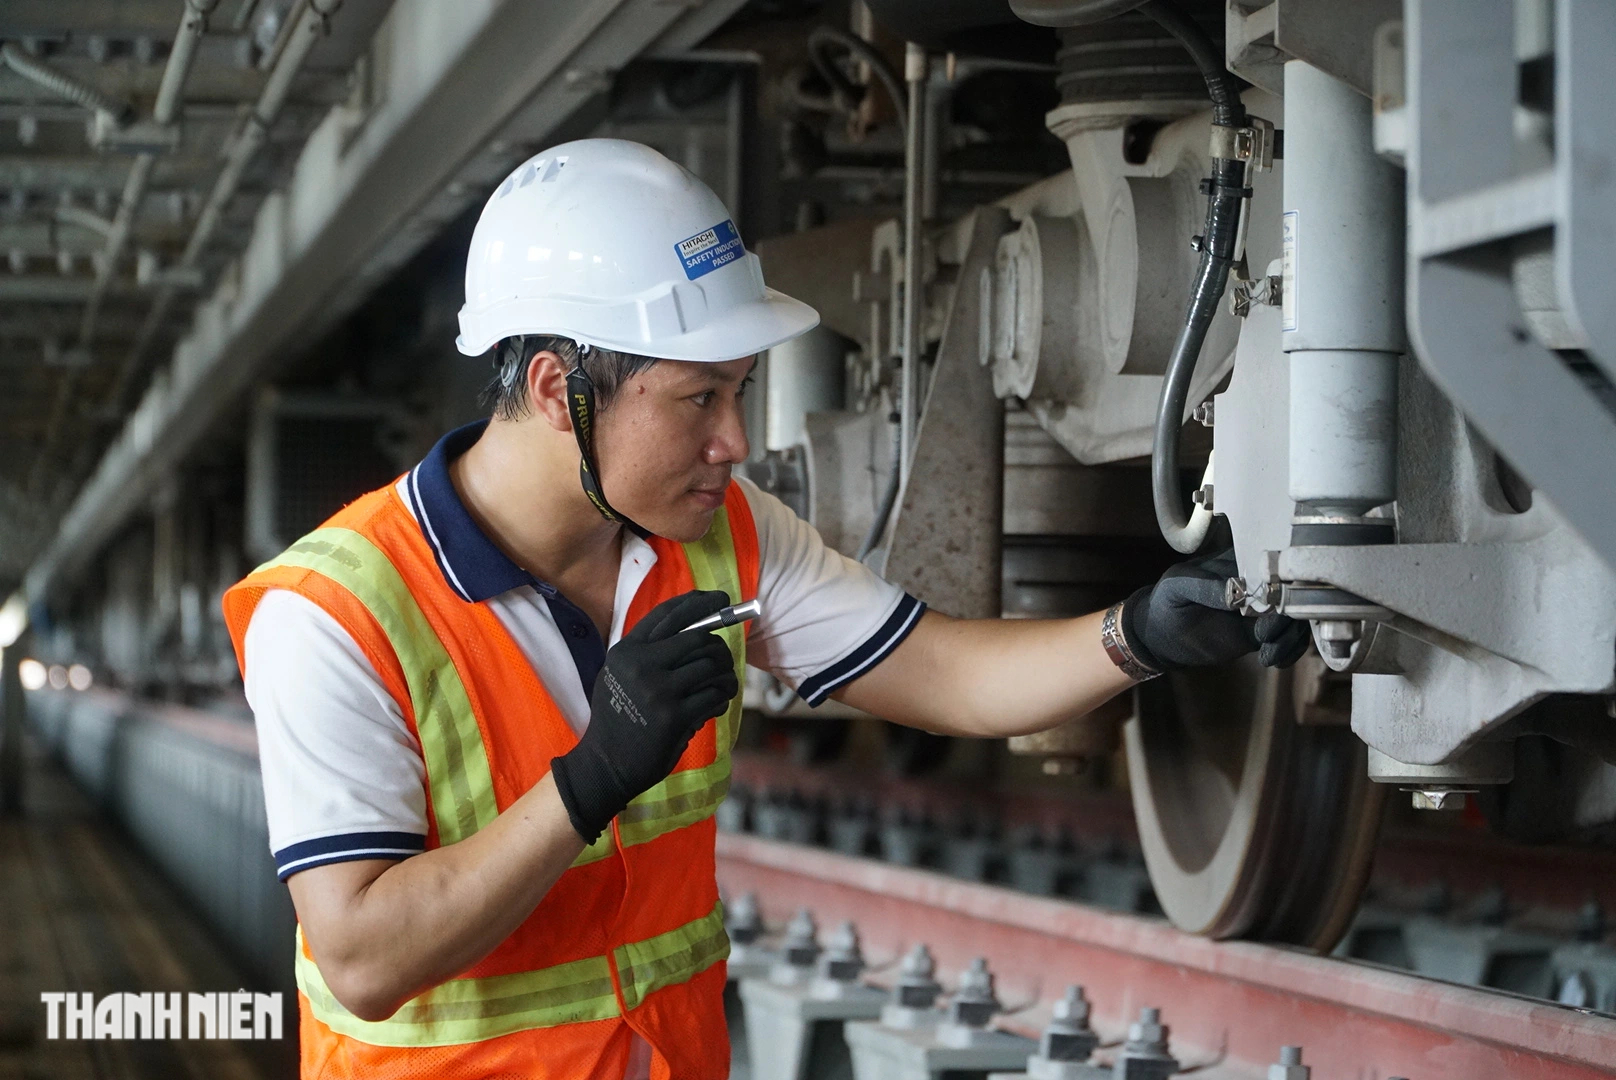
[[192, 191], [136, 141]]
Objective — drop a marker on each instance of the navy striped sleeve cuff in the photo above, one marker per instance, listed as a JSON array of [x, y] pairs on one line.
[[346, 847], [875, 649]]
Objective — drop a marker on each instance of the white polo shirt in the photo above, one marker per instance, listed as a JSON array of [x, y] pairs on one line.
[[343, 776]]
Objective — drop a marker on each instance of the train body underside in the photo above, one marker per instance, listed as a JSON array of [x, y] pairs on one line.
[[1401, 417]]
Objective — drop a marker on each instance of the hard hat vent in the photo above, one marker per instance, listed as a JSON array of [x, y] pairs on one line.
[[544, 170]]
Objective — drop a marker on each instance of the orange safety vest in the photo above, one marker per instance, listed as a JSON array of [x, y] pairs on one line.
[[631, 937]]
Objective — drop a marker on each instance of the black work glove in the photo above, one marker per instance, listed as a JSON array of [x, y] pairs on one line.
[[1184, 621], [658, 687]]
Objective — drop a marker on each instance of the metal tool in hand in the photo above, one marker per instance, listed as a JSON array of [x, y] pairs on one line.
[[736, 613]]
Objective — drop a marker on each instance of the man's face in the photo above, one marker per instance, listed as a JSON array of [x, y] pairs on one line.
[[667, 442]]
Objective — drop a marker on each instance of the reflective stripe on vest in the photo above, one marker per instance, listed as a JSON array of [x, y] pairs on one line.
[[462, 787], [688, 796], [462, 796], [470, 1010]]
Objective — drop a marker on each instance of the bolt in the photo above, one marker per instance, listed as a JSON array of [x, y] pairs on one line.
[[1240, 298], [97, 47], [843, 960], [1492, 908], [1202, 496], [1205, 412], [801, 945], [915, 63], [1197, 242], [1439, 799], [916, 987], [1234, 593], [64, 262], [1437, 898], [975, 1002], [1068, 1036], [586, 80], [1144, 1056], [1576, 991], [744, 919], [1290, 1065], [1590, 921], [1339, 630]]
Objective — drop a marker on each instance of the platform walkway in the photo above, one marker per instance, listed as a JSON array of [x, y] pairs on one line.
[[82, 910]]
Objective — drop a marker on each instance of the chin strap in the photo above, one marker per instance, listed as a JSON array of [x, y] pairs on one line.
[[581, 396]]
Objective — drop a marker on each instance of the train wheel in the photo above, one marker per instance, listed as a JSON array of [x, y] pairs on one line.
[[1253, 825]]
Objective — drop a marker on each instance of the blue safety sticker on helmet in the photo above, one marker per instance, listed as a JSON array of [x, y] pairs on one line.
[[710, 249]]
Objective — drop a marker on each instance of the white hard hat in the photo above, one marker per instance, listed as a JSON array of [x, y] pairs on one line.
[[611, 244]]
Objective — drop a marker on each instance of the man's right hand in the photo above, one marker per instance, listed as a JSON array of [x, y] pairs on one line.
[[1184, 621], [659, 686]]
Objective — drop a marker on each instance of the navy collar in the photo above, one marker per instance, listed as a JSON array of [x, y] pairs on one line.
[[471, 563]]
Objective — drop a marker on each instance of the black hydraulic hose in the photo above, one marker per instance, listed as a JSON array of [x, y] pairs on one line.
[[1227, 111], [841, 88], [1226, 192]]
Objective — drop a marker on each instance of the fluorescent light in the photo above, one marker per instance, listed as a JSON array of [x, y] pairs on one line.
[[13, 618], [32, 673]]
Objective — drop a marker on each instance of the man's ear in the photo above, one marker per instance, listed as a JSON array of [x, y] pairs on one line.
[[547, 390]]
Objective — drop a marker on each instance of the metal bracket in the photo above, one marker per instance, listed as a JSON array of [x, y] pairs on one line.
[[149, 271], [1268, 290], [1254, 143], [141, 137]]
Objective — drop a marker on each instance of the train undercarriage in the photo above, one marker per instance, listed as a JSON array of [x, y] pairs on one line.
[[1391, 400]]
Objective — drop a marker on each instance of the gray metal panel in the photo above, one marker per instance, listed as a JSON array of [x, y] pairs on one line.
[[945, 545], [1333, 36], [1251, 444], [1464, 318], [1585, 103]]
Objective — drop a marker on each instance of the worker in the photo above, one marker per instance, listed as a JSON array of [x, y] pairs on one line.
[[491, 750]]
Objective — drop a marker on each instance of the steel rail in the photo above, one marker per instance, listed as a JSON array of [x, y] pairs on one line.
[[1234, 1003]]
